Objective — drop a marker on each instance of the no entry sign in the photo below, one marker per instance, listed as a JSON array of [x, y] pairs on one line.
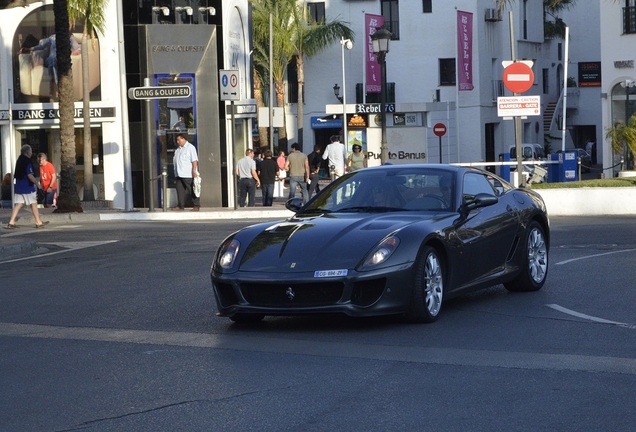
[[518, 77], [439, 129]]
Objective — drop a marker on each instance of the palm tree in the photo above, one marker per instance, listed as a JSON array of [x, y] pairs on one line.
[[623, 138], [311, 37], [282, 48], [68, 200], [91, 14]]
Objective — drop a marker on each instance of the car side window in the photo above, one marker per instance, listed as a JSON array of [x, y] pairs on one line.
[[475, 183]]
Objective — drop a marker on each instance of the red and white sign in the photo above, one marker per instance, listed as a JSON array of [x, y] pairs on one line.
[[439, 129], [513, 106], [518, 77]]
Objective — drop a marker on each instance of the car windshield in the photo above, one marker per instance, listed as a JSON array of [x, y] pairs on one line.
[[386, 190]]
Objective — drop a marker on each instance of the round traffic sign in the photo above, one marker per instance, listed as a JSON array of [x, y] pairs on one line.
[[439, 129], [518, 77]]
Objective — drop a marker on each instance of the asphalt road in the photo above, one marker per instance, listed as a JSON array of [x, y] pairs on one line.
[[111, 327]]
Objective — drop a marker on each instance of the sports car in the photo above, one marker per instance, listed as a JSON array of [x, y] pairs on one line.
[[394, 239]]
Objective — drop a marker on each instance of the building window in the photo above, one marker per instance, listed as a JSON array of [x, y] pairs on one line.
[[629, 16], [546, 81], [447, 72], [292, 81], [375, 97], [427, 6], [390, 12], [316, 11]]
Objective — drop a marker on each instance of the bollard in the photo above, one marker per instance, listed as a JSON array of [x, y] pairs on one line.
[[164, 186]]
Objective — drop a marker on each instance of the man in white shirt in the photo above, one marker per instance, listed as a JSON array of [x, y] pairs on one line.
[[336, 152], [186, 168]]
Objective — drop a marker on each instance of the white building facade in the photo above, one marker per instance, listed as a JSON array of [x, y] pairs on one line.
[[618, 97], [422, 77]]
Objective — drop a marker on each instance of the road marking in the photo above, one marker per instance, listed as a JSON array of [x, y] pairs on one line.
[[345, 350], [594, 256], [68, 246], [589, 317]]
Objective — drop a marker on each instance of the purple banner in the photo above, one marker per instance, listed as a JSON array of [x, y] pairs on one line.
[[373, 81], [465, 50]]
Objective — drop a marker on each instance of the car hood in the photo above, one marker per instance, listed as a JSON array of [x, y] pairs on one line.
[[327, 242]]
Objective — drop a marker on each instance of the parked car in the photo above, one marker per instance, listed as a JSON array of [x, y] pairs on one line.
[[586, 158], [395, 239]]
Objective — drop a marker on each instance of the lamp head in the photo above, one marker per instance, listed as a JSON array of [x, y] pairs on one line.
[[380, 40], [336, 89]]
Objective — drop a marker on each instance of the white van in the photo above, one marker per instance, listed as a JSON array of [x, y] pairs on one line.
[[530, 152]]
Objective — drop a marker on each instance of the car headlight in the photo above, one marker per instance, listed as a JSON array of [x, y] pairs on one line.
[[227, 254], [381, 253]]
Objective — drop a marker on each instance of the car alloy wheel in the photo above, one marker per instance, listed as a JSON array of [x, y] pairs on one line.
[[428, 287], [534, 267]]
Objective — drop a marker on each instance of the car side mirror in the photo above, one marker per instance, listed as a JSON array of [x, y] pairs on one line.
[[294, 204], [480, 200]]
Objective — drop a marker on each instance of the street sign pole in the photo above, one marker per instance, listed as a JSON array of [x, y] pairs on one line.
[[149, 159], [440, 130], [517, 119]]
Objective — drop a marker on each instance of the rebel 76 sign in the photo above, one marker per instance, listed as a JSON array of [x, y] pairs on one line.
[[374, 108]]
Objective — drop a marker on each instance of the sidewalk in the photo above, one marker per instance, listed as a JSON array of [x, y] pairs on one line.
[[14, 245]]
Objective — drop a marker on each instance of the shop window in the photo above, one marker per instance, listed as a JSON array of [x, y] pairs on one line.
[[35, 74], [174, 116]]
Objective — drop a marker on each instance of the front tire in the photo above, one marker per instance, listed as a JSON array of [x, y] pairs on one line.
[[534, 268], [428, 287]]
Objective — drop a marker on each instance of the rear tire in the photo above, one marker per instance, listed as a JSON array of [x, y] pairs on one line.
[[534, 268], [428, 287]]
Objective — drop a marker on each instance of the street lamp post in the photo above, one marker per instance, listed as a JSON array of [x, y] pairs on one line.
[[344, 43], [380, 41]]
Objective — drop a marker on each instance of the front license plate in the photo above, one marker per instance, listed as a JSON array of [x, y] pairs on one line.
[[330, 273]]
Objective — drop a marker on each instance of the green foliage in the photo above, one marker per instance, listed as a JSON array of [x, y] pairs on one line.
[[623, 137], [611, 182]]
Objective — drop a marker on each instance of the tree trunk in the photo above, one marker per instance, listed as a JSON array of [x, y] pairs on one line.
[[300, 111], [68, 201], [89, 195], [280, 102], [258, 95]]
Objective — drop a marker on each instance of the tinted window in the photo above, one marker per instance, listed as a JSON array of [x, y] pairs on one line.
[[475, 183]]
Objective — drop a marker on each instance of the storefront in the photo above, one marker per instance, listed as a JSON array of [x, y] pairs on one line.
[[28, 102]]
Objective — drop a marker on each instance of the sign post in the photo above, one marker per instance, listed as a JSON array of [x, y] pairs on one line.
[[440, 130], [229, 90]]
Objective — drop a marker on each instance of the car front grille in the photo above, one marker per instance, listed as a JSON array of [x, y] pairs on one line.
[[292, 295]]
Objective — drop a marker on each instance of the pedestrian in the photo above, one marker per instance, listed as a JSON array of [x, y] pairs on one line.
[[337, 155], [248, 179], [279, 188], [5, 198], [357, 160], [48, 180], [186, 168], [25, 188], [298, 168], [267, 175], [315, 161]]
